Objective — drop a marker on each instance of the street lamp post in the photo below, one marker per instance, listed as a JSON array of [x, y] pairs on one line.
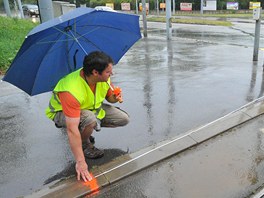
[[20, 9], [158, 7], [168, 19], [144, 18], [136, 7], [201, 11], [257, 17], [7, 8]]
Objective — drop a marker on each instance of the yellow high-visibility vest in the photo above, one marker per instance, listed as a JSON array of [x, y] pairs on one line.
[[78, 87]]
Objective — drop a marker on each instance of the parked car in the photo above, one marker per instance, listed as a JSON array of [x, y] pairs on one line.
[[30, 9], [105, 8]]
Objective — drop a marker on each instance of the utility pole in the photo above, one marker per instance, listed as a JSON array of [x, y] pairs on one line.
[[20, 9], [144, 11], [7, 8], [257, 17], [201, 11], [168, 19], [136, 7], [158, 7], [45, 10], [173, 5]]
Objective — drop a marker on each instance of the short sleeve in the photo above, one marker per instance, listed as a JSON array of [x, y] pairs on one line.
[[70, 105]]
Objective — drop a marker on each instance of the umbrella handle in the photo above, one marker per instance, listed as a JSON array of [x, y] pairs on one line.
[[74, 59]]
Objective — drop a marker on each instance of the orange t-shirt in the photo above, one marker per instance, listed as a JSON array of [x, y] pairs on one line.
[[70, 105]]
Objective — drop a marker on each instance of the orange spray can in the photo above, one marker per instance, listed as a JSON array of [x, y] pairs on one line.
[[117, 91]]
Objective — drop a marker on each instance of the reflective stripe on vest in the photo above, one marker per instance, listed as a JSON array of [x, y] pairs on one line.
[[55, 98]]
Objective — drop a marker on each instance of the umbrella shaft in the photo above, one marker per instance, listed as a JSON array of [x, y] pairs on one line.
[[78, 42]]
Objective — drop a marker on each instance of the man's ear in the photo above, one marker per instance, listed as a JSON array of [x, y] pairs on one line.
[[95, 72]]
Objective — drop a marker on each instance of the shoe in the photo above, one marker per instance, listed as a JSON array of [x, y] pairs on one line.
[[92, 139], [92, 152]]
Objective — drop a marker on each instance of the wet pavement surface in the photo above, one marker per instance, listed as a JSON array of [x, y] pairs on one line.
[[229, 165], [169, 88]]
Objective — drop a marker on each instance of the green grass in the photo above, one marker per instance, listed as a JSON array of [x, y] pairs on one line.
[[235, 15], [192, 21], [12, 35], [247, 15], [218, 15]]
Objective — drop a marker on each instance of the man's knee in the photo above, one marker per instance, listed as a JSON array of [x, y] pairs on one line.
[[125, 120], [89, 128], [120, 118], [87, 120]]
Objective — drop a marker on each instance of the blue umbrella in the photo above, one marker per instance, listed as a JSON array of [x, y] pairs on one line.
[[57, 47]]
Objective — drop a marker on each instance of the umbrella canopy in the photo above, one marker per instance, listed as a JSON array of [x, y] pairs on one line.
[[57, 47]]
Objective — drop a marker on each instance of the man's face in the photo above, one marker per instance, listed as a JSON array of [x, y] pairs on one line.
[[106, 73]]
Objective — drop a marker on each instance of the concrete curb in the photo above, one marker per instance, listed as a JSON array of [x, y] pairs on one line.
[[258, 194], [126, 165]]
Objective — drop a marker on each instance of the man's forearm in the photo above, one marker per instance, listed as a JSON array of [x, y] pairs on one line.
[[76, 144]]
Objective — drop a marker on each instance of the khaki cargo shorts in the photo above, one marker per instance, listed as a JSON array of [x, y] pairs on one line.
[[114, 117]]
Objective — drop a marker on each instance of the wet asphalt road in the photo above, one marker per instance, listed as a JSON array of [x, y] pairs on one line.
[[169, 88], [230, 165]]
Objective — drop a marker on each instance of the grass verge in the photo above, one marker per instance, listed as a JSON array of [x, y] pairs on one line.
[[12, 35], [241, 15], [192, 21]]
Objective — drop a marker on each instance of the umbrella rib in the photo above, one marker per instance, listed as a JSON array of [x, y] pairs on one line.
[[79, 35], [83, 35], [103, 26], [64, 40], [46, 42], [63, 32], [48, 51]]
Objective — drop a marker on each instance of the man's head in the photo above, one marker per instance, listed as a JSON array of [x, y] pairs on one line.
[[96, 61]]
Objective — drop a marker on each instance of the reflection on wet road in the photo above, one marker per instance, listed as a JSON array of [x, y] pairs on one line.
[[240, 34], [182, 80]]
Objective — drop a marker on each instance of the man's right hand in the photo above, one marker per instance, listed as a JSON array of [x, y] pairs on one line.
[[82, 171]]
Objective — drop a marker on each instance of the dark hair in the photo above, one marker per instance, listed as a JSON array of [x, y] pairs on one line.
[[96, 60]]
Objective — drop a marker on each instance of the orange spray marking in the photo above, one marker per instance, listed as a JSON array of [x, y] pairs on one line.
[[93, 185]]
